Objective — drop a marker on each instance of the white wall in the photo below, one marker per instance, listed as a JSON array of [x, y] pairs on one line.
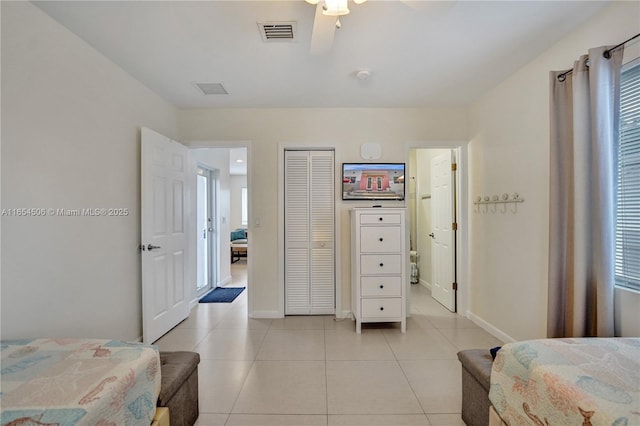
[[236, 184], [509, 152], [346, 129], [70, 139]]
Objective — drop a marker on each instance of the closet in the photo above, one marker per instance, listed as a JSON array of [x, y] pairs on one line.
[[309, 232]]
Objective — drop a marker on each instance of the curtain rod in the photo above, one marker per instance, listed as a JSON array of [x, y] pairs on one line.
[[606, 54]]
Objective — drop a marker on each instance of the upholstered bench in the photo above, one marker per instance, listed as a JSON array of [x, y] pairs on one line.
[[476, 377], [179, 388]]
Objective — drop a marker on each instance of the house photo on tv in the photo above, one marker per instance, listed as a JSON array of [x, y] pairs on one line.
[[366, 181]]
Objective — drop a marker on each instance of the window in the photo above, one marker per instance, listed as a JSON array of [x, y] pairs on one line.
[[245, 210], [628, 211]]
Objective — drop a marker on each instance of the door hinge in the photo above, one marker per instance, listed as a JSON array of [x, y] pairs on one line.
[[454, 286], [454, 226], [454, 167]]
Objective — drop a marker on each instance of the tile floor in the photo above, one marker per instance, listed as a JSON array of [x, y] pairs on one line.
[[315, 370]]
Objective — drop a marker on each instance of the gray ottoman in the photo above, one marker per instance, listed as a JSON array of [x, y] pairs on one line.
[[476, 375], [179, 388]]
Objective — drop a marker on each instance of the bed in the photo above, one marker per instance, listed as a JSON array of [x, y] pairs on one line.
[[582, 381], [78, 382], [238, 244]]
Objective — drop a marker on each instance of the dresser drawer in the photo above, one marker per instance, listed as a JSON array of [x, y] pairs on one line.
[[383, 218], [381, 308], [380, 239], [381, 286], [377, 264]]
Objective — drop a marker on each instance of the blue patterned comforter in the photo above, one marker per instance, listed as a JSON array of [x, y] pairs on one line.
[[587, 381], [78, 382]]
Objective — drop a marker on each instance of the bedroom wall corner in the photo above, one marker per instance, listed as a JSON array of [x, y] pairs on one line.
[[509, 152], [70, 140]]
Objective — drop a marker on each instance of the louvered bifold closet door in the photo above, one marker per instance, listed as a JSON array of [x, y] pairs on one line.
[[296, 231], [322, 233], [309, 233]]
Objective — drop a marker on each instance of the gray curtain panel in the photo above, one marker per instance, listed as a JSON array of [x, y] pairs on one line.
[[583, 183]]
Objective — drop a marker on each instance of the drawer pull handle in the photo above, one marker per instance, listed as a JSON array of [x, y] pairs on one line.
[[381, 286], [382, 308], [381, 239], [381, 264], [380, 219]]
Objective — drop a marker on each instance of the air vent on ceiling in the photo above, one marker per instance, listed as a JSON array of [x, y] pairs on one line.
[[212, 88], [277, 31]]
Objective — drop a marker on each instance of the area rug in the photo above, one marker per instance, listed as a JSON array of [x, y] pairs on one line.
[[222, 295]]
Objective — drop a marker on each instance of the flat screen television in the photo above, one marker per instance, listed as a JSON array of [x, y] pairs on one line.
[[373, 181]]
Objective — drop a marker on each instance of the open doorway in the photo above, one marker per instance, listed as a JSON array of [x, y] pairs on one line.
[[220, 213], [433, 196]]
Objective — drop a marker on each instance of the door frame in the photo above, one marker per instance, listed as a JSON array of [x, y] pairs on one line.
[[462, 207], [301, 146], [191, 220]]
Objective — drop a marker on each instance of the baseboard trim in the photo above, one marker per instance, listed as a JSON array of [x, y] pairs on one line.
[[344, 314], [424, 284], [265, 314], [489, 328]]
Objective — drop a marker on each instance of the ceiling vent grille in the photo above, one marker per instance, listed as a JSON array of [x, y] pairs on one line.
[[212, 88], [277, 31]]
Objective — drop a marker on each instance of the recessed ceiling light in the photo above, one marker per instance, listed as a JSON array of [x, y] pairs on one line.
[[239, 160]]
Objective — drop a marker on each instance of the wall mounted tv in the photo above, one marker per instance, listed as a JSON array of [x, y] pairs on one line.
[[373, 181]]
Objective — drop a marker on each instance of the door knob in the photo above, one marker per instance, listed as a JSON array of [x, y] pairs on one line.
[[432, 235], [152, 247]]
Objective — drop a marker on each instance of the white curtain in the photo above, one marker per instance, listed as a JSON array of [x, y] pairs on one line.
[[583, 180]]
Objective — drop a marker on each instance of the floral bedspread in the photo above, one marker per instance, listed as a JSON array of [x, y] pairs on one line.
[[78, 382], [587, 381]]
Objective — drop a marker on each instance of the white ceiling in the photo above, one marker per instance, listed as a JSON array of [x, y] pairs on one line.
[[238, 161], [420, 53]]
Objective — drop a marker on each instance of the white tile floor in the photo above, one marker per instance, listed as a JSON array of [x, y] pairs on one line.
[[315, 370]]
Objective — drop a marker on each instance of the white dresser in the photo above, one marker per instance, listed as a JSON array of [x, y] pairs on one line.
[[378, 265]]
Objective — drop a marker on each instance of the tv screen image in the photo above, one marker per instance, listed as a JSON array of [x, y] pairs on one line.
[[373, 181]]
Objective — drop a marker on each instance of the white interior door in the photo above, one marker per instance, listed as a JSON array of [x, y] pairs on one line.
[[443, 238], [321, 200], [164, 239], [309, 233]]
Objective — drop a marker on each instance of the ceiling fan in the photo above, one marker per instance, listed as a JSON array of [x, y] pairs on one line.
[[326, 21], [328, 13]]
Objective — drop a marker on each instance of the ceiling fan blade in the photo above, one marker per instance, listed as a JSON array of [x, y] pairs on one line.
[[324, 28]]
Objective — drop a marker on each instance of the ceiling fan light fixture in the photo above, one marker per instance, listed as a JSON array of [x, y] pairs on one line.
[[336, 8]]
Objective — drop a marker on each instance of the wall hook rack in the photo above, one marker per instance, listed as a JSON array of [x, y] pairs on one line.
[[482, 203]]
